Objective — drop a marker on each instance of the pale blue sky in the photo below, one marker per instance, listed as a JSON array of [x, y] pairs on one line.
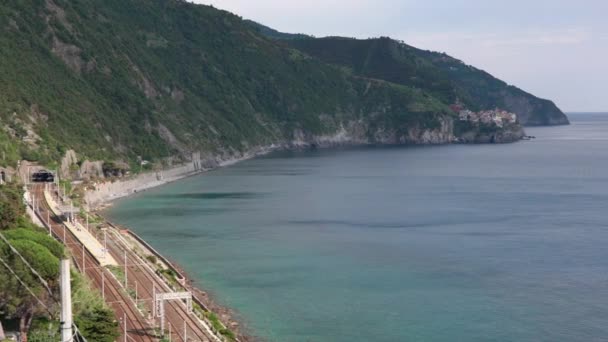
[[554, 49]]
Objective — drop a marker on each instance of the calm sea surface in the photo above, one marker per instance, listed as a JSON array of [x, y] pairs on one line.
[[445, 243]]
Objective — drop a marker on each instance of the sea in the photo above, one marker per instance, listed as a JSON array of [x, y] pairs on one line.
[[422, 243]]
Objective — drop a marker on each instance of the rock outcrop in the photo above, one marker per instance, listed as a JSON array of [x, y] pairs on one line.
[[91, 170], [508, 134], [361, 133], [69, 165]]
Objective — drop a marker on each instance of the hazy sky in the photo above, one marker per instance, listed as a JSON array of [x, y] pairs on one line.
[[555, 49]]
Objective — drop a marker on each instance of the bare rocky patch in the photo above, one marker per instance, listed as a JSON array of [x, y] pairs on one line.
[[59, 14], [170, 138], [69, 54], [177, 95]]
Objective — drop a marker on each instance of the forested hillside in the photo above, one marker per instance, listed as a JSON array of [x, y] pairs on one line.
[[126, 80], [153, 78], [447, 78], [26, 305]]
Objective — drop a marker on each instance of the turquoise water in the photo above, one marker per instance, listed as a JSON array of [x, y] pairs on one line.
[[446, 243]]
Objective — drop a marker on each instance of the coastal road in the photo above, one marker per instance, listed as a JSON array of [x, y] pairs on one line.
[[137, 328]]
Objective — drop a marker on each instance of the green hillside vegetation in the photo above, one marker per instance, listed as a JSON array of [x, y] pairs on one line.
[[117, 79], [272, 33], [446, 78]]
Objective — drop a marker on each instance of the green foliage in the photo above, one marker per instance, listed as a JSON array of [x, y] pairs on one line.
[[95, 321], [118, 272], [43, 336], [152, 259], [122, 79], [446, 78], [269, 32], [15, 299], [11, 205], [218, 326], [39, 257], [40, 238], [44, 330], [118, 79], [38, 249], [98, 325]]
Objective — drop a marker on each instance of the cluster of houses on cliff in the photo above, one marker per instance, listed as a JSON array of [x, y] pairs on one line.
[[497, 116]]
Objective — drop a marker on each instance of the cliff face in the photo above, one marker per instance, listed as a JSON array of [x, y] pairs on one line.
[[533, 112], [362, 133], [508, 134], [448, 130]]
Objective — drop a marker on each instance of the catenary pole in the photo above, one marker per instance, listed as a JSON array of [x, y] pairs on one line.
[[126, 276], [66, 302], [103, 284], [125, 324]]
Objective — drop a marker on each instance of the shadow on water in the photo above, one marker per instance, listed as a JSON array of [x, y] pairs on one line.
[[173, 212], [213, 195], [429, 223]]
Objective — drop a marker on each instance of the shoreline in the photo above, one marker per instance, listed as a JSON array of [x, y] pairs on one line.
[[105, 193], [226, 315]]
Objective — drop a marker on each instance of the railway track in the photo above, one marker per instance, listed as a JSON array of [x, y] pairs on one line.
[[184, 326], [137, 328], [141, 279]]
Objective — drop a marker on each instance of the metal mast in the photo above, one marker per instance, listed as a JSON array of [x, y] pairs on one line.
[[66, 302]]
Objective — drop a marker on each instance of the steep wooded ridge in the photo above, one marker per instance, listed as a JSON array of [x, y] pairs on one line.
[[445, 77], [130, 79]]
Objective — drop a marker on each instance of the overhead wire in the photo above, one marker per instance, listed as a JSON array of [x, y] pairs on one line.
[[77, 335], [44, 282], [25, 285]]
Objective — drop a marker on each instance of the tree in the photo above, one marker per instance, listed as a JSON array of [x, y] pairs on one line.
[[16, 300], [39, 250], [11, 205], [98, 325]]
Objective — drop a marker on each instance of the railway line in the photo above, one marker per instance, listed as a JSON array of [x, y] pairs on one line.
[[136, 327], [184, 326], [141, 282]]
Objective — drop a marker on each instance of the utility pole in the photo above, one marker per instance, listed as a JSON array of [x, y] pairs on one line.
[[66, 302], [154, 302], [125, 325], [105, 241], [126, 282], [185, 332], [103, 284]]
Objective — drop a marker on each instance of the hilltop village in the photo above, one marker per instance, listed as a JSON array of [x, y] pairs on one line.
[[497, 116]]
